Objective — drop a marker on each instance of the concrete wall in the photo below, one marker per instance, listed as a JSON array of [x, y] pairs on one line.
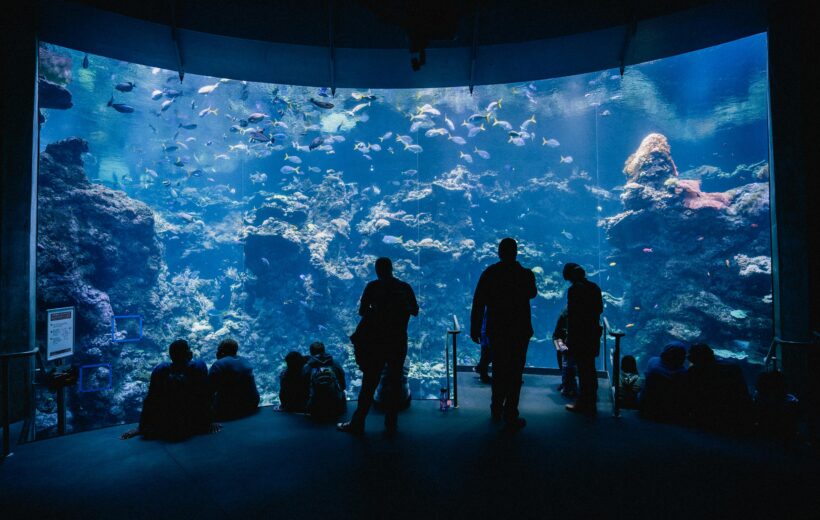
[[17, 160]]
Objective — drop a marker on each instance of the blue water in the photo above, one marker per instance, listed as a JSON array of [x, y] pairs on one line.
[[279, 259]]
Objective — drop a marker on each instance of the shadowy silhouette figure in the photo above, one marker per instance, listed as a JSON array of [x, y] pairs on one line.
[[718, 397], [325, 381], [293, 390], [483, 366], [380, 341], [664, 395], [504, 292], [584, 308], [178, 403], [630, 382], [566, 363], [232, 383]]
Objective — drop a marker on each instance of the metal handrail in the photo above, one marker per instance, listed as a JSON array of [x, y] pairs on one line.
[[615, 365], [5, 395], [771, 356]]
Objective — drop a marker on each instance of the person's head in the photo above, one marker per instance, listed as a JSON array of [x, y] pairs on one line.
[[700, 354], [180, 352], [294, 360], [629, 365], [227, 347], [674, 354], [507, 250], [384, 268], [573, 272], [317, 348]]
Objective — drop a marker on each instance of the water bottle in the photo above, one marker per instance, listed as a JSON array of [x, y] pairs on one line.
[[443, 401]]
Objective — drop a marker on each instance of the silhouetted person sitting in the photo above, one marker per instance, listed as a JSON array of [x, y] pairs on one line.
[[293, 390], [630, 383], [486, 357], [232, 383], [664, 394], [718, 397], [178, 402], [504, 292], [584, 307], [566, 363], [775, 410], [326, 384], [380, 341]]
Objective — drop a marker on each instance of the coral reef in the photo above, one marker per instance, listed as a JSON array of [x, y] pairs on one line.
[[689, 259]]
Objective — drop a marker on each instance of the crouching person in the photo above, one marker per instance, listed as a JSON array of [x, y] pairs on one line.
[[326, 384], [232, 383], [178, 402]]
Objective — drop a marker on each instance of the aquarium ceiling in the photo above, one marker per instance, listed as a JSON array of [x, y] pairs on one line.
[[366, 43]]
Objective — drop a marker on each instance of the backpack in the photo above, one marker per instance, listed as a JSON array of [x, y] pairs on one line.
[[326, 398]]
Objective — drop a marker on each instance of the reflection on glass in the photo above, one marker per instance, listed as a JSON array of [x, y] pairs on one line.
[[218, 207]]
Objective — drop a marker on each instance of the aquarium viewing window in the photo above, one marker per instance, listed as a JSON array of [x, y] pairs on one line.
[[217, 208]]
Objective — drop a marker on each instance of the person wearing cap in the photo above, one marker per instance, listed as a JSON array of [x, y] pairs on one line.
[[584, 307], [503, 293], [178, 403]]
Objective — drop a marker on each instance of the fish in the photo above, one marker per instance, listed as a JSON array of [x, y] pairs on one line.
[[409, 173], [207, 89], [120, 107], [240, 146], [429, 109], [169, 148], [156, 94], [465, 156], [567, 234], [292, 158], [358, 96], [449, 124], [728, 264], [187, 126], [503, 124], [413, 148], [391, 239], [286, 169], [528, 122], [630, 325], [517, 141], [127, 86], [647, 250], [476, 129], [552, 143], [259, 136], [166, 183], [166, 104], [317, 142], [85, 61], [358, 107], [172, 93], [606, 113], [420, 124], [481, 153], [256, 117], [457, 139], [322, 104], [151, 172], [265, 261], [387, 135], [208, 111], [314, 169], [476, 117], [433, 132], [404, 139], [258, 178], [636, 308], [613, 264], [375, 147], [494, 105], [566, 160]]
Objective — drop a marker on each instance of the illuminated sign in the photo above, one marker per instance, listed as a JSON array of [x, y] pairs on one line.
[[60, 330]]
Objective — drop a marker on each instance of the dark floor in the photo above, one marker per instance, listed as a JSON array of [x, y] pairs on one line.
[[440, 465]]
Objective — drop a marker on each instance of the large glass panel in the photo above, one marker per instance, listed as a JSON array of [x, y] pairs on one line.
[[214, 208]]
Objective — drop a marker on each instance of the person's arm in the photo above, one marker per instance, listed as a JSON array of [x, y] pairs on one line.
[[364, 304], [412, 303], [532, 290], [478, 309]]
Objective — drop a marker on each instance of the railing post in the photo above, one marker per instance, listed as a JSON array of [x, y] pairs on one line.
[[616, 372], [5, 404], [455, 370]]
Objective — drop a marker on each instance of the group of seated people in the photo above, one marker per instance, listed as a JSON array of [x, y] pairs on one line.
[[711, 393], [314, 384], [185, 397]]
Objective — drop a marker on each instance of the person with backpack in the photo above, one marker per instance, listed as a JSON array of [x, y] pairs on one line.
[[326, 384], [380, 341], [178, 402]]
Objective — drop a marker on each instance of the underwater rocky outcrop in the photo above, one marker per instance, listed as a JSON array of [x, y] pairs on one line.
[[96, 251], [694, 263]]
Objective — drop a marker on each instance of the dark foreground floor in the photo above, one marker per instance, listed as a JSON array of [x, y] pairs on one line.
[[452, 465]]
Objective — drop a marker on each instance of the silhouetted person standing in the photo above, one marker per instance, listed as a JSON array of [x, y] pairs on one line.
[[504, 292], [232, 383], [584, 308], [386, 306]]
